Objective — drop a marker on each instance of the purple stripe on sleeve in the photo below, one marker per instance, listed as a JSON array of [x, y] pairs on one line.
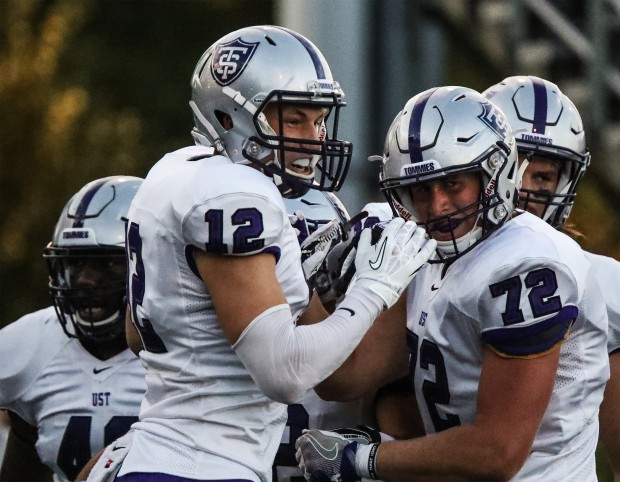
[[534, 339]]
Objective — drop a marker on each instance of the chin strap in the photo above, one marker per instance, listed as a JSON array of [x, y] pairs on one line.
[[522, 169], [199, 137], [448, 249]]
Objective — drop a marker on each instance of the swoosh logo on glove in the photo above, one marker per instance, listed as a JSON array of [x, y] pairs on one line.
[[329, 454], [379, 259]]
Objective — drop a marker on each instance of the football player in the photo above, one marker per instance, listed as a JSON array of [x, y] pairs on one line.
[[217, 289], [505, 325], [550, 134], [67, 378]]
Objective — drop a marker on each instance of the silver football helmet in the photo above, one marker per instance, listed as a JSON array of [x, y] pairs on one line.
[[86, 259], [251, 68], [546, 124], [318, 208], [452, 130]]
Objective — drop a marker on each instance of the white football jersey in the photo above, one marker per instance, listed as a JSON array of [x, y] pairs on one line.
[[78, 403], [377, 212], [203, 417], [314, 412], [517, 291], [607, 272]]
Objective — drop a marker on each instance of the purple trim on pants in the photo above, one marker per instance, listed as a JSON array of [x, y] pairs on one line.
[[159, 477]]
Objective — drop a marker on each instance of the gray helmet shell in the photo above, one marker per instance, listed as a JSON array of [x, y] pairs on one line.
[[450, 130], [246, 70], [90, 235], [546, 124]]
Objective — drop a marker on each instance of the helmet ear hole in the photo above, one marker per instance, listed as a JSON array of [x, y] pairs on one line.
[[224, 119]]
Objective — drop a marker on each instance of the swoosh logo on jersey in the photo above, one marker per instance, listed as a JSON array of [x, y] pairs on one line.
[[351, 312], [379, 259], [117, 448], [328, 454], [96, 371], [434, 288]]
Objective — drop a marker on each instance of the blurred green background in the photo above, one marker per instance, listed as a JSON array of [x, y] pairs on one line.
[[89, 89]]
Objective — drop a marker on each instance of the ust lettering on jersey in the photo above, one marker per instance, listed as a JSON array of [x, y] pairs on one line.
[[101, 399]]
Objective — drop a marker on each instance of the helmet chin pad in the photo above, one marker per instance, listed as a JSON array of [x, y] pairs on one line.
[[455, 247]]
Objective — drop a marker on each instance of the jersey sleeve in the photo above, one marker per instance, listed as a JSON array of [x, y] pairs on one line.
[[236, 224], [526, 308], [24, 353]]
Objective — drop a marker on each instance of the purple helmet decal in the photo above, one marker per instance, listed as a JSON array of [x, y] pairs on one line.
[[540, 106], [494, 119], [82, 209], [316, 60], [415, 146]]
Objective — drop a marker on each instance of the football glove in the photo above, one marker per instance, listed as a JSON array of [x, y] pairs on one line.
[[330, 282], [316, 247], [362, 434], [326, 456], [389, 255], [300, 225]]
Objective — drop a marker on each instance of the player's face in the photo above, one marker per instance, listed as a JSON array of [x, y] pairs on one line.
[[541, 176], [300, 122], [97, 275], [434, 200]]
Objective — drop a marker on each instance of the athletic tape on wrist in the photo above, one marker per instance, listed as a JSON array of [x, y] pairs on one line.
[[372, 461], [366, 461]]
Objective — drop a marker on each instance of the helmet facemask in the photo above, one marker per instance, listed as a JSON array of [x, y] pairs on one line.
[[489, 211], [328, 158], [88, 291], [547, 126], [555, 205]]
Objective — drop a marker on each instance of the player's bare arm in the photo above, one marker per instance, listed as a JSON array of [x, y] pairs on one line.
[[21, 461], [241, 287], [381, 356]]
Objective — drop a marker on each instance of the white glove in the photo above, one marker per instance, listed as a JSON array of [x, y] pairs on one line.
[[111, 459], [387, 266]]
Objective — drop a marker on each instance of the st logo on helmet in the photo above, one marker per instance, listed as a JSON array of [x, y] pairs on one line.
[[230, 59], [493, 118]]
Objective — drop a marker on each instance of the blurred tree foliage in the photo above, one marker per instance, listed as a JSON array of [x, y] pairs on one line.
[[90, 88]]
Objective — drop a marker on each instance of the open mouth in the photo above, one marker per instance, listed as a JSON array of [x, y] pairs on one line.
[[304, 167], [94, 313]]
